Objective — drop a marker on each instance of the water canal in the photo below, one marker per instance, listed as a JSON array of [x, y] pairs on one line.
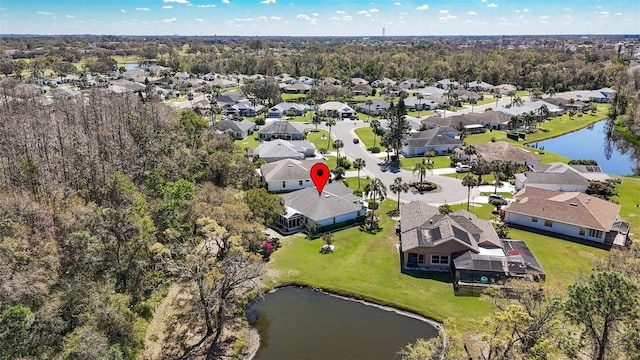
[[297, 323]]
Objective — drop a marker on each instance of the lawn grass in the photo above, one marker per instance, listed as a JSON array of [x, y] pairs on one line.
[[367, 266], [629, 198], [294, 97], [439, 162], [250, 142], [319, 139], [366, 137], [421, 113]]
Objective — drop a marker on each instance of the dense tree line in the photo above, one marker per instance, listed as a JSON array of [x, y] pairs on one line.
[[106, 203]]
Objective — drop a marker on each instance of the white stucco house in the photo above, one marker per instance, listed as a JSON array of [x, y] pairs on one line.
[[287, 175]]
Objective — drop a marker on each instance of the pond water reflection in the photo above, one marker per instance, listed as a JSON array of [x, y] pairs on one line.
[[598, 142], [297, 323]]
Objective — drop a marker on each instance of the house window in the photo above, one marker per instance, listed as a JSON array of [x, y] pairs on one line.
[[548, 223], [582, 230], [300, 182], [595, 233], [439, 260], [334, 220], [535, 220], [420, 258], [284, 184]]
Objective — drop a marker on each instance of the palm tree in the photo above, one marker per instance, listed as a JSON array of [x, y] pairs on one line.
[[473, 103], [375, 125], [469, 181], [429, 154], [469, 150], [359, 164], [399, 186], [421, 168], [497, 96], [496, 168], [369, 103], [377, 190], [338, 144], [331, 122], [517, 101], [419, 97], [511, 94]]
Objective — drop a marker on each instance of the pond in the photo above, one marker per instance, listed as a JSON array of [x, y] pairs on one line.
[[297, 323], [613, 153]]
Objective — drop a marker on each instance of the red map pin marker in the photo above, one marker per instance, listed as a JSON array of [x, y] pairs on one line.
[[320, 175]]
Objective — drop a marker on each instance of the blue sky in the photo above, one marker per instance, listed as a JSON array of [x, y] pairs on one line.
[[317, 18]]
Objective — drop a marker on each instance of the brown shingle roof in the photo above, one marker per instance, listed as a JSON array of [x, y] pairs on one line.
[[567, 207]]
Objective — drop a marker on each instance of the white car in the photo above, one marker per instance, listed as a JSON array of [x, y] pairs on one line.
[[463, 168]]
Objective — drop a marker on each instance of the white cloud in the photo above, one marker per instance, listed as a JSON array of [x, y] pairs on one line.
[[268, 1], [225, 1], [397, 3], [334, 18], [483, 0], [422, 7], [143, 9], [261, 18], [303, 17], [341, 12], [472, 13], [363, 12], [618, 14], [123, 11], [275, 18], [199, 20], [373, 10], [206, 6], [45, 13], [448, 17], [315, 14], [347, 18], [70, 16], [604, 13], [492, 5], [177, 2], [444, 11], [544, 17], [169, 21], [168, 7], [525, 10]]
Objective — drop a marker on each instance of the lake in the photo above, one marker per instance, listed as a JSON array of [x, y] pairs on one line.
[[297, 323], [613, 153]]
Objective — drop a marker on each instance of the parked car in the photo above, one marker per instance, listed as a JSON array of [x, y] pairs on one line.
[[356, 140], [463, 168], [496, 197]]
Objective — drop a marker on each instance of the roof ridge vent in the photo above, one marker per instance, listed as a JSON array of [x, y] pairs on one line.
[[573, 204]]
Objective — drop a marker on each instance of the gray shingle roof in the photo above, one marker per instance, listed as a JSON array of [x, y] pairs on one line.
[[432, 137], [288, 169], [282, 127], [242, 126], [336, 199]]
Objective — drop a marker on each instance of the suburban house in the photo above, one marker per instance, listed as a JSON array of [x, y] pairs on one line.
[[465, 121], [335, 205], [282, 130], [501, 150], [504, 89], [492, 119], [244, 108], [229, 98], [287, 175], [337, 109], [362, 89], [285, 109], [447, 84], [282, 149], [297, 88], [382, 83], [430, 90], [572, 214], [358, 81], [560, 177], [238, 129], [412, 103], [377, 107], [479, 86], [466, 95], [442, 140], [463, 244], [411, 84]]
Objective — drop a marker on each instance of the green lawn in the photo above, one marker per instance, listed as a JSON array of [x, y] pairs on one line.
[[250, 142], [293, 97], [439, 162], [367, 266], [319, 139], [366, 137], [629, 198], [421, 113]]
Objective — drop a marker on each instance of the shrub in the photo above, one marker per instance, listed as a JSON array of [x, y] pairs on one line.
[[260, 121], [375, 149], [343, 163], [424, 186], [493, 139]]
